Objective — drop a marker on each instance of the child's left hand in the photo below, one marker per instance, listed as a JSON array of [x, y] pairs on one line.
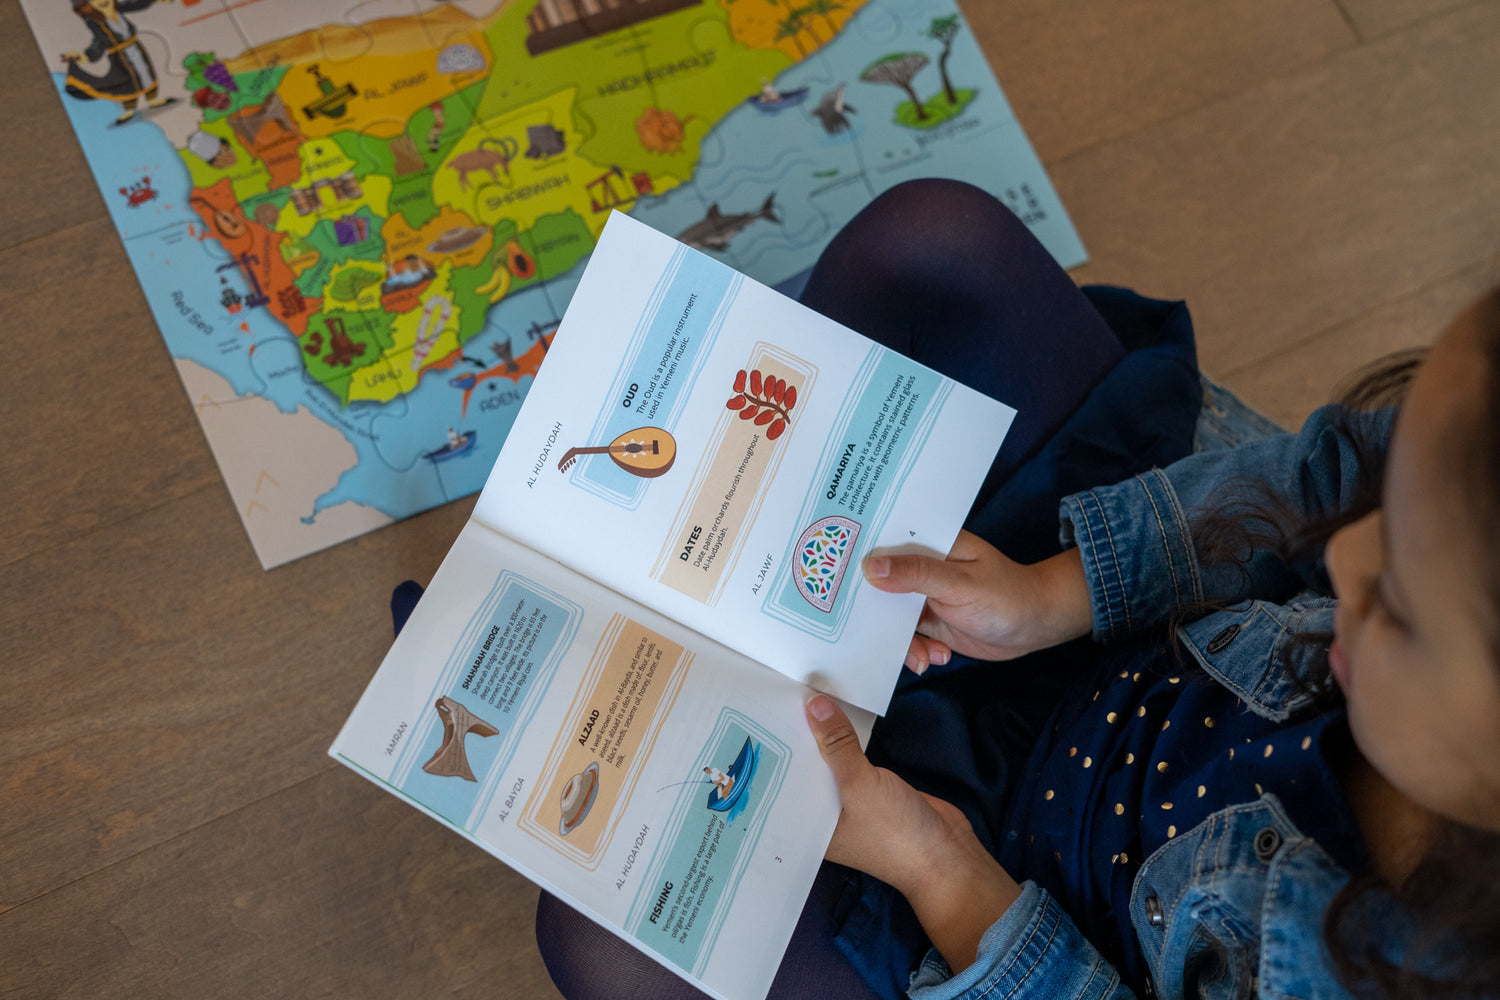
[[920, 845]]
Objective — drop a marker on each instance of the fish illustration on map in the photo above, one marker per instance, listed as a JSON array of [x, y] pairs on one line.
[[715, 230], [832, 112]]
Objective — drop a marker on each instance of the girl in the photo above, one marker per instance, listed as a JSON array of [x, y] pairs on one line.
[[1179, 791]]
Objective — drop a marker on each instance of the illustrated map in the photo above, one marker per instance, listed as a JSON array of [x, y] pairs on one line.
[[358, 227]]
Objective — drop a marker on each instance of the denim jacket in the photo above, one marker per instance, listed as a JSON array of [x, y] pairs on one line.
[[1234, 906]]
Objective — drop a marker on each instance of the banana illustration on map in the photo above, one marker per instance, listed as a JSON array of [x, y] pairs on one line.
[[498, 284], [510, 261]]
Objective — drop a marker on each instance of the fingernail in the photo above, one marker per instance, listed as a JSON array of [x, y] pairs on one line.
[[820, 707], [920, 669], [877, 568], [939, 656]]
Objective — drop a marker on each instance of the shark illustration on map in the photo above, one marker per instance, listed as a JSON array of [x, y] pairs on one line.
[[358, 236]]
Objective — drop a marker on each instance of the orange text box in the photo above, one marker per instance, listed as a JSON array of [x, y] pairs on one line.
[[633, 678], [730, 482]]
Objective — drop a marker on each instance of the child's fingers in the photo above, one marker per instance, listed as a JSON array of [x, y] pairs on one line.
[[838, 743], [913, 574], [924, 652]]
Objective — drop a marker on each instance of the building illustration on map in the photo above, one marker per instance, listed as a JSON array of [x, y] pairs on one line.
[[555, 23]]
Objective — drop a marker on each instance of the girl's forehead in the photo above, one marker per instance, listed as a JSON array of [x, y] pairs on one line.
[[1439, 483], [1444, 413]]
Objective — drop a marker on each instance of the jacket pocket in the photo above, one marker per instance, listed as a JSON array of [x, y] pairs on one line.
[[1260, 651], [1216, 967]]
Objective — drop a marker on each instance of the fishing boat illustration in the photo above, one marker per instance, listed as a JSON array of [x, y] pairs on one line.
[[771, 100], [454, 448], [741, 774]]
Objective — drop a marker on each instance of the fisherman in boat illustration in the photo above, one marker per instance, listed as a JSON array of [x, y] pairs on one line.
[[723, 782], [770, 99], [458, 444], [730, 793]]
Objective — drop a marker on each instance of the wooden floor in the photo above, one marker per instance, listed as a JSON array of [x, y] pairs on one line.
[[1319, 179]]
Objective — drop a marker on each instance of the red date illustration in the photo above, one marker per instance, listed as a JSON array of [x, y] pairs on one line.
[[765, 399]]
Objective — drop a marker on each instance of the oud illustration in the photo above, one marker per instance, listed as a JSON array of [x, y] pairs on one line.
[[647, 452]]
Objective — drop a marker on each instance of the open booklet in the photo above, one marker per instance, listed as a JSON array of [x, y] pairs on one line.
[[603, 685]]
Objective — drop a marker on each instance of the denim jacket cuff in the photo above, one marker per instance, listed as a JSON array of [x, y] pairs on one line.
[[1137, 552], [1033, 950]]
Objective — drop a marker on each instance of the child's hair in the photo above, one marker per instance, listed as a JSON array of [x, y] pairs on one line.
[[1453, 896]]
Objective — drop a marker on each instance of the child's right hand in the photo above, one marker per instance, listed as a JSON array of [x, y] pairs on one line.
[[982, 604]]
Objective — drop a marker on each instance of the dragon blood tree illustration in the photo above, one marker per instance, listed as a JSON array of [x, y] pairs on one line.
[[764, 399], [901, 67], [898, 69], [944, 29]]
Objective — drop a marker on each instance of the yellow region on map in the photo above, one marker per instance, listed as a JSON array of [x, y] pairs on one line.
[[385, 66], [328, 180], [443, 236], [419, 336], [485, 177], [417, 170]]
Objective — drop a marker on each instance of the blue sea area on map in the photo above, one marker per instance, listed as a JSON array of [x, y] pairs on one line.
[[183, 283], [752, 153], [815, 182]]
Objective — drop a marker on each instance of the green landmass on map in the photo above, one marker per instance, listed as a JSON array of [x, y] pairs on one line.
[[685, 63], [406, 197]]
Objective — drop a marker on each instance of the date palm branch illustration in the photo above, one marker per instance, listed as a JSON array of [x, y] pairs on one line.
[[765, 399]]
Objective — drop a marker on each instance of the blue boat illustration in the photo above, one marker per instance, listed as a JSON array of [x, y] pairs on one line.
[[448, 451], [743, 773], [783, 99]]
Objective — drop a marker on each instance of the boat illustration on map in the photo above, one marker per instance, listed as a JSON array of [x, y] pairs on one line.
[[458, 444], [770, 99]]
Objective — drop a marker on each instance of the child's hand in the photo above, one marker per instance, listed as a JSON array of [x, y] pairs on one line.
[[921, 846], [982, 604]]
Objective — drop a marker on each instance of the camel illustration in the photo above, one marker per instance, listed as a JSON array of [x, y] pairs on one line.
[[488, 160]]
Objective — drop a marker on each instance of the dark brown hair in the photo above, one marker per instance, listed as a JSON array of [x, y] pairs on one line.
[[1452, 899]]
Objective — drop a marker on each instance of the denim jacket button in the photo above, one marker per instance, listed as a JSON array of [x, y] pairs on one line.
[[1154, 915], [1223, 639], [1267, 843]]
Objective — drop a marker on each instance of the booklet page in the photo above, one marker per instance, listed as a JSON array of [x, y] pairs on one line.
[[727, 456], [663, 784]]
